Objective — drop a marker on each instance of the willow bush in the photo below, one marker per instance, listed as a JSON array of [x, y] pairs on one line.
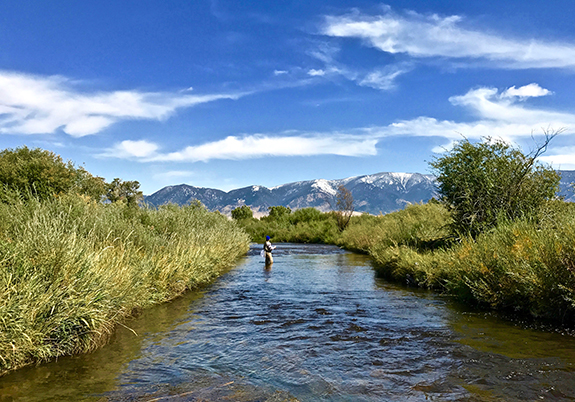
[[71, 268]]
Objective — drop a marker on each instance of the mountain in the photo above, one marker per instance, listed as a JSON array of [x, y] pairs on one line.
[[376, 193], [565, 189]]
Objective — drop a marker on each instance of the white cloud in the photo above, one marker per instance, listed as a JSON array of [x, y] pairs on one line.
[[498, 116], [257, 146], [38, 105], [433, 36], [488, 104], [527, 91], [132, 149], [316, 73], [383, 79], [250, 147], [561, 158], [280, 72]]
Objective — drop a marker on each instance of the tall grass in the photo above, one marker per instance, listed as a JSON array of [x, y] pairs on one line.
[[72, 269], [418, 225], [521, 266]]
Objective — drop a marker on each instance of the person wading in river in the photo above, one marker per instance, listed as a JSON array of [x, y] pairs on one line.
[[268, 248]]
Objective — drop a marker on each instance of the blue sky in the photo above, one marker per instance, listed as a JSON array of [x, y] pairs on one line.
[[226, 94]]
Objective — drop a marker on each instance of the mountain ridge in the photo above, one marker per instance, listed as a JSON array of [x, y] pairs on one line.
[[375, 193]]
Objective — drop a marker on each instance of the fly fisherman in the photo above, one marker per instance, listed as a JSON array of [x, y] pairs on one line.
[[268, 248]]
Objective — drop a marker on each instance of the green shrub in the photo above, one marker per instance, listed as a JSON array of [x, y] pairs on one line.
[[488, 181], [243, 212], [43, 174]]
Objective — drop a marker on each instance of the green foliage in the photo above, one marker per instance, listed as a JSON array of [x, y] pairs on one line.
[[43, 174], [419, 225], [72, 268], [243, 212], [306, 215], [119, 190], [278, 213], [519, 266], [307, 225], [485, 182]]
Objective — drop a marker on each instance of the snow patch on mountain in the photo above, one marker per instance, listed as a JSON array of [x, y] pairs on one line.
[[324, 186]]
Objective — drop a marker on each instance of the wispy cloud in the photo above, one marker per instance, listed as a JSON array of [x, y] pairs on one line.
[[527, 91], [250, 147], [500, 114], [382, 78], [32, 104], [421, 36], [132, 149], [316, 73], [560, 158]]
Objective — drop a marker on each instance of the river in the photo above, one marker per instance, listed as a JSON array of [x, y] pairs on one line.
[[317, 326]]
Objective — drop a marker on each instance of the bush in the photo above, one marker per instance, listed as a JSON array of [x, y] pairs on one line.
[[43, 174], [243, 212], [519, 266], [485, 182]]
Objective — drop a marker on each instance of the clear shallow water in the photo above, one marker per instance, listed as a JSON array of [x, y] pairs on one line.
[[318, 326]]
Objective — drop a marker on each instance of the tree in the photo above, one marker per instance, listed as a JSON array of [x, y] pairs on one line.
[[484, 182], [278, 213], [124, 190], [243, 212], [344, 206], [43, 174]]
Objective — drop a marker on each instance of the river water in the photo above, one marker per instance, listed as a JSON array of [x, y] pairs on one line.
[[317, 326]]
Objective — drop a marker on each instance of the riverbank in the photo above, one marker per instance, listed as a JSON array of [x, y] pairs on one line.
[[523, 267], [72, 269]]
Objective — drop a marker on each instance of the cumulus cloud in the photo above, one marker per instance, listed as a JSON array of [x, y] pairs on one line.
[[489, 104], [32, 104], [528, 91], [422, 36]]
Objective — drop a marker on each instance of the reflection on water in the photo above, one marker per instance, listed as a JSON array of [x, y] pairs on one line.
[[316, 326]]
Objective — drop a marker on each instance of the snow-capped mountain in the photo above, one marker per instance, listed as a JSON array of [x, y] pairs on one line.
[[376, 193]]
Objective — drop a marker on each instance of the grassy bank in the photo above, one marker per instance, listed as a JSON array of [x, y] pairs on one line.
[[71, 269], [523, 267]]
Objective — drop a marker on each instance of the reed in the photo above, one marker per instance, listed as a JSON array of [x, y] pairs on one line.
[[71, 269]]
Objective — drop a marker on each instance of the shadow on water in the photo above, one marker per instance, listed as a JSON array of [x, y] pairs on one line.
[[315, 326]]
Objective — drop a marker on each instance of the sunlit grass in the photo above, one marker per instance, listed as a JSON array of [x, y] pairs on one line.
[[72, 269], [523, 266]]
